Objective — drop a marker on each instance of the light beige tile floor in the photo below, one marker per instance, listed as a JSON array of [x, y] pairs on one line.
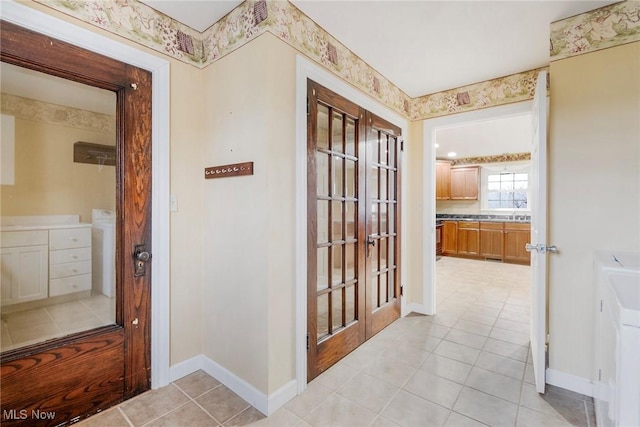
[[467, 366], [34, 325]]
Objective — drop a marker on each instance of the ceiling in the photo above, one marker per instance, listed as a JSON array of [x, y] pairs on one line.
[[487, 138], [423, 46]]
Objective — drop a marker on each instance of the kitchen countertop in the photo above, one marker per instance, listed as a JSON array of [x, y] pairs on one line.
[[525, 219]]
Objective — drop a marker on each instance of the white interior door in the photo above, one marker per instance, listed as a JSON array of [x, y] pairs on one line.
[[537, 246]]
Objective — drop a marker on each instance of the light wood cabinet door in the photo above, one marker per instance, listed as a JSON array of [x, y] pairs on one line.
[[443, 181], [468, 238], [492, 240], [465, 183], [450, 237], [516, 236]]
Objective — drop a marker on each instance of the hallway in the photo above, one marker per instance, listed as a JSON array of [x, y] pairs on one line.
[[467, 366]]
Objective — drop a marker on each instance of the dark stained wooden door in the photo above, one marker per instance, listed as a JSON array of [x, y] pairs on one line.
[[353, 241], [383, 224], [80, 374], [336, 228]]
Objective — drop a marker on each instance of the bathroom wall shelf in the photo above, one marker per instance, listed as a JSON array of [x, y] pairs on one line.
[[95, 154]]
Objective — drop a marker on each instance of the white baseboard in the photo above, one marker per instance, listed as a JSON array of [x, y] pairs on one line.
[[267, 404], [414, 307], [569, 382], [185, 368]]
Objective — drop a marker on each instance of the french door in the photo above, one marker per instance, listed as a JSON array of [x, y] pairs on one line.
[[62, 379], [353, 207]]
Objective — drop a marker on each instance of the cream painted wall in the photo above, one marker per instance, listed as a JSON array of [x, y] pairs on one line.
[[594, 189], [248, 278], [48, 182], [413, 209], [187, 118]]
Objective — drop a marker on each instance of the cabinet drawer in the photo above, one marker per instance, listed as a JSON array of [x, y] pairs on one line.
[[468, 224], [68, 238], [68, 285], [491, 225], [69, 255], [10, 239], [57, 271], [517, 226]]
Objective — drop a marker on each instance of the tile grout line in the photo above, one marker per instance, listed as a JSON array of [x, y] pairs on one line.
[[198, 404], [119, 408]]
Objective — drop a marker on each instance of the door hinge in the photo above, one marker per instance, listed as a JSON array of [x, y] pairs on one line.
[[307, 341], [600, 306], [401, 290], [599, 374], [401, 144], [307, 106]]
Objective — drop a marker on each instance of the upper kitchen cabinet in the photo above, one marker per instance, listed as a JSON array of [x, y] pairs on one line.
[[465, 183], [443, 181]]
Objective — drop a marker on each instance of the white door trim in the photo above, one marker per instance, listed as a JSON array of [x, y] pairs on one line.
[[306, 69], [430, 128], [40, 22]]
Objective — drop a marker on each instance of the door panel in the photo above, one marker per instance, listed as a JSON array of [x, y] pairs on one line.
[[353, 242], [383, 155], [83, 373], [539, 232], [336, 260]]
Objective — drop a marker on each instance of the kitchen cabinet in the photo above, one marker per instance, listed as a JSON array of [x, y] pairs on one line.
[[465, 183], [439, 239], [492, 240], [468, 238], [516, 236], [24, 258], [443, 181], [70, 260], [450, 237]]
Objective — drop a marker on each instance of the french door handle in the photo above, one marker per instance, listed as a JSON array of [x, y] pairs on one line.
[[371, 243]]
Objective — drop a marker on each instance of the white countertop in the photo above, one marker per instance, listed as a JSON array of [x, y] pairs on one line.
[[42, 226], [40, 222]]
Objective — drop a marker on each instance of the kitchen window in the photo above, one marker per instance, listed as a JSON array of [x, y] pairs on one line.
[[507, 190]]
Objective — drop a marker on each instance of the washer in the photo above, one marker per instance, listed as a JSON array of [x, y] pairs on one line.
[[103, 257]]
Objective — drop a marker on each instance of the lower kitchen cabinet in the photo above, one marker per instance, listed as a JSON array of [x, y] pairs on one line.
[[516, 236], [492, 240], [450, 238], [468, 238], [503, 241]]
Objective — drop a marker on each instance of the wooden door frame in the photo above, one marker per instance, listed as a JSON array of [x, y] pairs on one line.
[[37, 21], [306, 69]]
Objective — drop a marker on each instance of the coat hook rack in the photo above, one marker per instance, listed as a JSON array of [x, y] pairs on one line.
[[236, 169]]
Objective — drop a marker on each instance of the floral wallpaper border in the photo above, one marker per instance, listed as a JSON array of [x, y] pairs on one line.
[[501, 158], [504, 90], [605, 27], [31, 109], [142, 24]]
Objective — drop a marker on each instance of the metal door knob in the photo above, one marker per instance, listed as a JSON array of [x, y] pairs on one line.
[[143, 256]]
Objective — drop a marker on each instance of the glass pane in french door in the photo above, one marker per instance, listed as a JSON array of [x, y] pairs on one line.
[[383, 211], [336, 219]]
